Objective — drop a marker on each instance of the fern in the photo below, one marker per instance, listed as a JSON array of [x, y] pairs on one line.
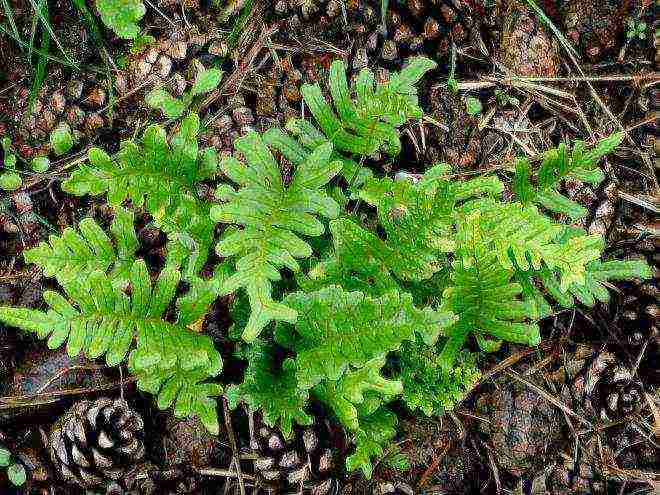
[[365, 124], [484, 296], [205, 81], [272, 390], [595, 287], [76, 254], [98, 318], [338, 330], [430, 386], [378, 428], [161, 177], [557, 164], [524, 235], [272, 215]]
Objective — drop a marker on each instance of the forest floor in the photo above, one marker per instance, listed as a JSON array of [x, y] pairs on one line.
[[578, 414]]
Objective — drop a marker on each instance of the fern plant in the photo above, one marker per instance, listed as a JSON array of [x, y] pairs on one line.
[[99, 317], [363, 124], [272, 215], [351, 307], [163, 177]]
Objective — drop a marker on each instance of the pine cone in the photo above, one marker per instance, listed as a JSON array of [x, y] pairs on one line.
[[97, 442], [619, 394], [299, 463]]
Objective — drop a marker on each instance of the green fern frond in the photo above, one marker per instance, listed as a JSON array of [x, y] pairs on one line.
[[484, 297], [273, 391], [526, 236], [163, 177], [427, 384], [337, 330], [345, 395], [377, 430], [364, 119], [76, 254], [558, 164], [271, 215], [594, 288], [103, 320], [418, 218]]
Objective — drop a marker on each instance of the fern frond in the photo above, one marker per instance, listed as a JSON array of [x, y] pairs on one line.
[[346, 394], [377, 430], [271, 215], [484, 296], [558, 164], [76, 254], [337, 330], [366, 122], [526, 236], [418, 218], [273, 391], [103, 320], [593, 289], [163, 177], [427, 384]]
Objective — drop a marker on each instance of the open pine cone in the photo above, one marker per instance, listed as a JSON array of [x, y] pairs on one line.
[[299, 464], [97, 442]]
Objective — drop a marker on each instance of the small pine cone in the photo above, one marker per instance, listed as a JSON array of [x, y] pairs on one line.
[[619, 394], [300, 462], [97, 442]]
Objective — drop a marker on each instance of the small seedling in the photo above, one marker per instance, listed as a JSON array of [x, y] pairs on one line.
[[15, 471], [637, 29], [172, 107], [473, 105]]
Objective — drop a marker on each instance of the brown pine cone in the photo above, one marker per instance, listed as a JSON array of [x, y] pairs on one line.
[[301, 463], [526, 47], [97, 442], [618, 393]]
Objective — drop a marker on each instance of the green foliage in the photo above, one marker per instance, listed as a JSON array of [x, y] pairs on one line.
[[473, 105], [378, 428], [122, 16], [98, 318], [271, 215], [61, 139], [76, 254], [420, 265], [205, 82], [365, 124], [10, 181], [163, 177], [430, 386], [15, 471], [272, 389], [557, 164]]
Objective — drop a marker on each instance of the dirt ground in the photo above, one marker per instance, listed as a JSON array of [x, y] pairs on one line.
[[578, 414]]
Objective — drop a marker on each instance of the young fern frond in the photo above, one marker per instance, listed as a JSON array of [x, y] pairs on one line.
[[271, 215], [365, 123], [558, 164], [273, 391], [428, 385], [76, 254], [418, 218], [163, 178], [100, 319], [594, 288], [526, 236]]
